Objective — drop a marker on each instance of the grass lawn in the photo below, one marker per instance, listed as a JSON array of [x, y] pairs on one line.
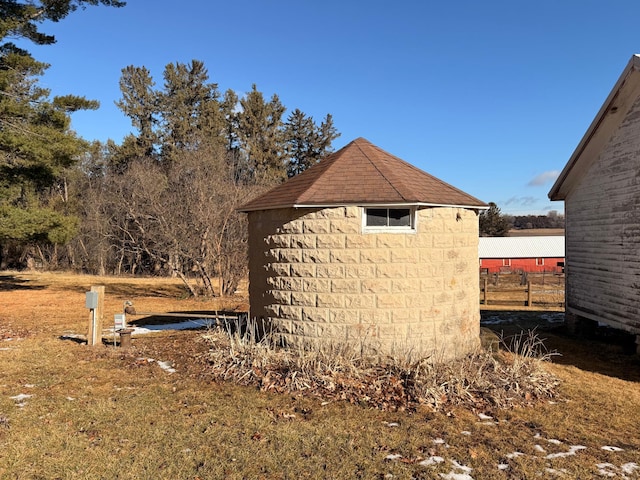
[[72, 411]]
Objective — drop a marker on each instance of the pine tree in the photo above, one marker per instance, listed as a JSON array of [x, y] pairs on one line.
[[260, 136], [493, 223], [191, 114], [36, 143], [139, 102], [305, 142]]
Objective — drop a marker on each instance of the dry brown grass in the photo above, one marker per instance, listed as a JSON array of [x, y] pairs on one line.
[[513, 376], [103, 412]]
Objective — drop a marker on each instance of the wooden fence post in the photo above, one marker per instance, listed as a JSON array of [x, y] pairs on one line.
[[529, 294], [94, 337], [484, 291]]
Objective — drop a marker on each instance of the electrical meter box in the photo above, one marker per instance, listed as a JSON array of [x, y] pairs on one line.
[[92, 300]]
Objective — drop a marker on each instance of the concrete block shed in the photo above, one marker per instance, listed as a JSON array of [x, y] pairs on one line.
[[367, 249]]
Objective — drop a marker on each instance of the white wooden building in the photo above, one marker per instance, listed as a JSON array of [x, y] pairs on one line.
[[600, 186]]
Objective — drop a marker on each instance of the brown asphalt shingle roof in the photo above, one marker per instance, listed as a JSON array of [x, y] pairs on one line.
[[361, 173]]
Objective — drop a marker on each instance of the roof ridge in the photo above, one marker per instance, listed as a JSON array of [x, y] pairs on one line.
[[327, 163], [375, 165]]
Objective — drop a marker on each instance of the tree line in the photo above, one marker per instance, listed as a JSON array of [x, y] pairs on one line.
[[163, 201], [493, 223]]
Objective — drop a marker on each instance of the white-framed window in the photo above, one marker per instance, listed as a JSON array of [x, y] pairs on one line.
[[506, 262], [389, 219], [539, 262]]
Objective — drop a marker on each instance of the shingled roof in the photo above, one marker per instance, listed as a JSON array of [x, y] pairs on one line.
[[361, 173]]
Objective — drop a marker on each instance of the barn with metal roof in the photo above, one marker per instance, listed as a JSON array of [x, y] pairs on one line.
[[522, 254]]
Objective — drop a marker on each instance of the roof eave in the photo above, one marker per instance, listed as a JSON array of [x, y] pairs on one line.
[[611, 113], [363, 204]]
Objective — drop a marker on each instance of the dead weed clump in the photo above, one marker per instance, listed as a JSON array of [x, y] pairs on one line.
[[512, 376]]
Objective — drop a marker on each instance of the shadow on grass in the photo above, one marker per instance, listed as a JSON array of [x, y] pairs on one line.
[[74, 339], [181, 316], [11, 282], [603, 350], [138, 290]]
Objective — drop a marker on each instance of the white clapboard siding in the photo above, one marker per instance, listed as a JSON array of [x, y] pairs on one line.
[[603, 232]]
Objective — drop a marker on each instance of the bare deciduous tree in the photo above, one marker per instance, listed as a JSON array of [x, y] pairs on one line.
[[184, 217]]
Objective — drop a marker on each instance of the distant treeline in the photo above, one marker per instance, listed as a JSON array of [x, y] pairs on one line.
[[552, 220]]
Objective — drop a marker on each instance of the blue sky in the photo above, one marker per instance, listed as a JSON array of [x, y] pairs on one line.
[[491, 97]]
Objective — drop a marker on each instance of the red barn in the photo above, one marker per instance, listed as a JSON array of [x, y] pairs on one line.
[[521, 254]]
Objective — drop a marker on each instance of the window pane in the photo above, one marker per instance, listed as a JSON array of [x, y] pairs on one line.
[[376, 217], [399, 217]]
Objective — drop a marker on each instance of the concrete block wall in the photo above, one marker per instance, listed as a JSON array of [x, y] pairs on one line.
[[316, 277]]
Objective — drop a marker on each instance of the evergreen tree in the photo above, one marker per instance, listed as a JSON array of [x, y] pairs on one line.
[[190, 110], [21, 19], [260, 136], [139, 102], [36, 143], [305, 142], [493, 223]]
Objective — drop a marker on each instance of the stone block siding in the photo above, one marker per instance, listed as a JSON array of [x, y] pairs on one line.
[[316, 277]]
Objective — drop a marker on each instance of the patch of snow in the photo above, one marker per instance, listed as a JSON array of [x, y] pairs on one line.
[[392, 424], [459, 466], [554, 441], [393, 456], [604, 469], [431, 461], [610, 470], [554, 471], [29, 385], [465, 432], [629, 468], [553, 317], [572, 451], [609, 448], [166, 366], [483, 416], [503, 466], [495, 320], [21, 397], [455, 476], [514, 455], [538, 448], [438, 441], [185, 325], [71, 399]]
